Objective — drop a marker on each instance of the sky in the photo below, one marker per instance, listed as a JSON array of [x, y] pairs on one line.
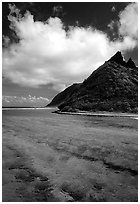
[[48, 46]]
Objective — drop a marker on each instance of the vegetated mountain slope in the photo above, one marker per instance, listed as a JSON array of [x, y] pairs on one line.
[[112, 87], [64, 95]]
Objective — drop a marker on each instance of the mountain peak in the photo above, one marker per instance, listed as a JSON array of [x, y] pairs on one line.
[[118, 58], [130, 63], [111, 87]]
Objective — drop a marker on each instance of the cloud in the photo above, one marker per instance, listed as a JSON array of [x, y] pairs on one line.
[[57, 10], [127, 25], [48, 54], [112, 25], [6, 41], [129, 21], [113, 9], [24, 101]]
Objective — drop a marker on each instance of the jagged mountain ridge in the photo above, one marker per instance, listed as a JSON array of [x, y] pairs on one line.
[[112, 87]]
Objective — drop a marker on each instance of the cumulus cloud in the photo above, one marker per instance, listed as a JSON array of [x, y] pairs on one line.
[[127, 25], [129, 21], [48, 54], [24, 101]]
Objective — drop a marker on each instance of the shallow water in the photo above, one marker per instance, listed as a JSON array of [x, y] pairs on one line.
[[80, 158]]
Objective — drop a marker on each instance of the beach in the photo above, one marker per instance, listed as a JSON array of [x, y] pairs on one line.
[[52, 157]]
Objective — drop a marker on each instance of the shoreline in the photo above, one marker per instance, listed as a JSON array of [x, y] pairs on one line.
[[84, 113], [98, 114], [27, 108]]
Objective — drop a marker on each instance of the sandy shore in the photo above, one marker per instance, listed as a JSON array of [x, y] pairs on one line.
[[59, 158], [99, 114]]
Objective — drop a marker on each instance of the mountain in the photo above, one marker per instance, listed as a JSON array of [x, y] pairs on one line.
[[112, 87], [64, 95]]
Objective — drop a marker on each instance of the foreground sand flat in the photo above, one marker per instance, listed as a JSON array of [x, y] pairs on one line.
[[52, 157]]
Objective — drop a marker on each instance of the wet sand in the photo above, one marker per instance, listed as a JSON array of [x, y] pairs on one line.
[[99, 114], [51, 157]]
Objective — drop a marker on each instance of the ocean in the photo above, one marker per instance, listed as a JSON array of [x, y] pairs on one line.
[[56, 157]]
